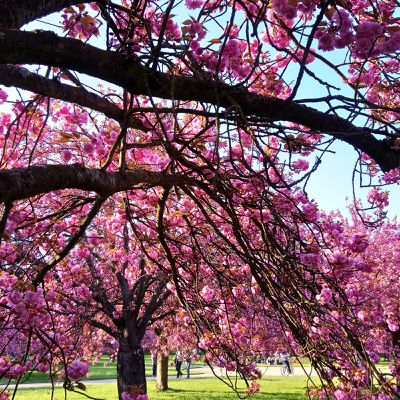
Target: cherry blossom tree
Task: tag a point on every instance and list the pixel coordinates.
(188, 126)
(101, 299)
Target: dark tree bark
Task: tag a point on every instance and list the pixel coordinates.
(162, 371)
(16, 13)
(21, 183)
(396, 355)
(131, 375)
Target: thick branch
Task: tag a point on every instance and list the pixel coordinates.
(16, 13)
(104, 327)
(21, 183)
(11, 75)
(158, 298)
(47, 48)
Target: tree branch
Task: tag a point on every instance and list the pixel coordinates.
(73, 241)
(16, 13)
(21, 183)
(104, 327)
(11, 75)
(48, 49)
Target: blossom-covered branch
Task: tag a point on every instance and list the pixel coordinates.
(48, 49)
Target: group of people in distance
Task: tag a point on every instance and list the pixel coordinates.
(282, 358)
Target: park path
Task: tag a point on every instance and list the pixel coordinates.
(200, 372)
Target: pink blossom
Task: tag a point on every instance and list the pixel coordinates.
(392, 44)
(392, 325)
(42, 367)
(193, 4)
(325, 40)
(15, 297)
(301, 164)
(285, 8)
(66, 156)
(342, 395)
(83, 291)
(88, 148)
(366, 34)
(392, 176)
(3, 96)
(363, 316)
(5, 395)
(80, 25)
(208, 293)
(369, 30)
(378, 198)
(77, 369)
(357, 243)
(232, 48)
(325, 296)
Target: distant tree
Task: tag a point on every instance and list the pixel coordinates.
(101, 299)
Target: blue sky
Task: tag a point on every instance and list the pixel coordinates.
(331, 184)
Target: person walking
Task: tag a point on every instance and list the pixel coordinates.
(286, 361)
(188, 362)
(154, 363)
(178, 363)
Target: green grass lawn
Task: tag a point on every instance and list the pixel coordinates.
(272, 388)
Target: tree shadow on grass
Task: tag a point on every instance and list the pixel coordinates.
(283, 396)
(174, 390)
(193, 394)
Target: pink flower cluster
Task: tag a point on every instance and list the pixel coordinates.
(171, 32)
(7, 281)
(338, 35)
(324, 297)
(13, 370)
(80, 24)
(367, 39)
(208, 293)
(28, 307)
(285, 8)
(367, 34)
(3, 96)
(341, 394)
(193, 4)
(77, 369)
(378, 198)
(300, 165)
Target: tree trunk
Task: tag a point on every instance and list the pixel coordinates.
(396, 355)
(162, 371)
(131, 376)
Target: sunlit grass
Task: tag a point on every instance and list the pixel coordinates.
(272, 388)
